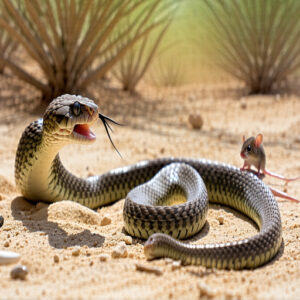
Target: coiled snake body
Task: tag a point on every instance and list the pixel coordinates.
(40, 176)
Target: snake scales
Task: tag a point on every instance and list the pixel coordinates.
(40, 176)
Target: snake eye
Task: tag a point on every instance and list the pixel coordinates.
(249, 148)
(76, 108)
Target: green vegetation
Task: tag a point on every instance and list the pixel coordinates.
(73, 41)
(76, 42)
(256, 41)
(136, 62)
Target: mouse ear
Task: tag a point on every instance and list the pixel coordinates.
(258, 140)
(244, 139)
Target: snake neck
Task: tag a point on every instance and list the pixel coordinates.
(36, 155)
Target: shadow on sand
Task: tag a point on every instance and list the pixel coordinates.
(58, 238)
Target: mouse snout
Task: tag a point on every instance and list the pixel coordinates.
(243, 155)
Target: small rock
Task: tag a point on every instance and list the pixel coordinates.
(1, 221)
(221, 220)
(56, 258)
(195, 121)
(6, 244)
(76, 251)
(104, 257)
(205, 291)
(176, 265)
(148, 269)
(106, 220)
(8, 257)
(168, 260)
(243, 103)
(120, 251)
(127, 239)
(19, 272)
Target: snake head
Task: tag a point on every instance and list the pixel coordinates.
(155, 245)
(68, 118)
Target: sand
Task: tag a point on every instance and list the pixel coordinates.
(63, 244)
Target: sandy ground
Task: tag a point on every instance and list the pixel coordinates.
(61, 244)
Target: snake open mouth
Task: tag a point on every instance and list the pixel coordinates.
(83, 130)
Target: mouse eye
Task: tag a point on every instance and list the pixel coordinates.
(249, 148)
(76, 108)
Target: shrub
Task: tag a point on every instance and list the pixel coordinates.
(7, 45)
(168, 68)
(72, 41)
(130, 70)
(256, 41)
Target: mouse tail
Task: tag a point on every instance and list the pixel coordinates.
(280, 176)
(283, 195)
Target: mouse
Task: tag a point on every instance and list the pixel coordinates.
(253, 154)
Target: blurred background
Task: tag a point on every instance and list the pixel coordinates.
(245, 47)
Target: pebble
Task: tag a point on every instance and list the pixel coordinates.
(176, 265)
(148, 269)
(221, 220)
(168, 260)
(205, 291)
(243, 104)
(195, 121)
(56, 258)
(127, 239)
(1, 221)
(120, 251)
(8, 257)
(19, 272)
(104, 257)
(6, 244)
(106, 220)
(76, 251)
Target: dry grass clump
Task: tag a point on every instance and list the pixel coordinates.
(256, 41)
(167, 71)
(7, 45)
(136, 62)
(74, 42)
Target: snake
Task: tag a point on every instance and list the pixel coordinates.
(166, 199)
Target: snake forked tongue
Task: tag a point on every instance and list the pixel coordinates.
(107, 127)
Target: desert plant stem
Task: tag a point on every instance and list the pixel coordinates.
(32, 45)
(102, 69)
(25, 76)
(152, 53)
